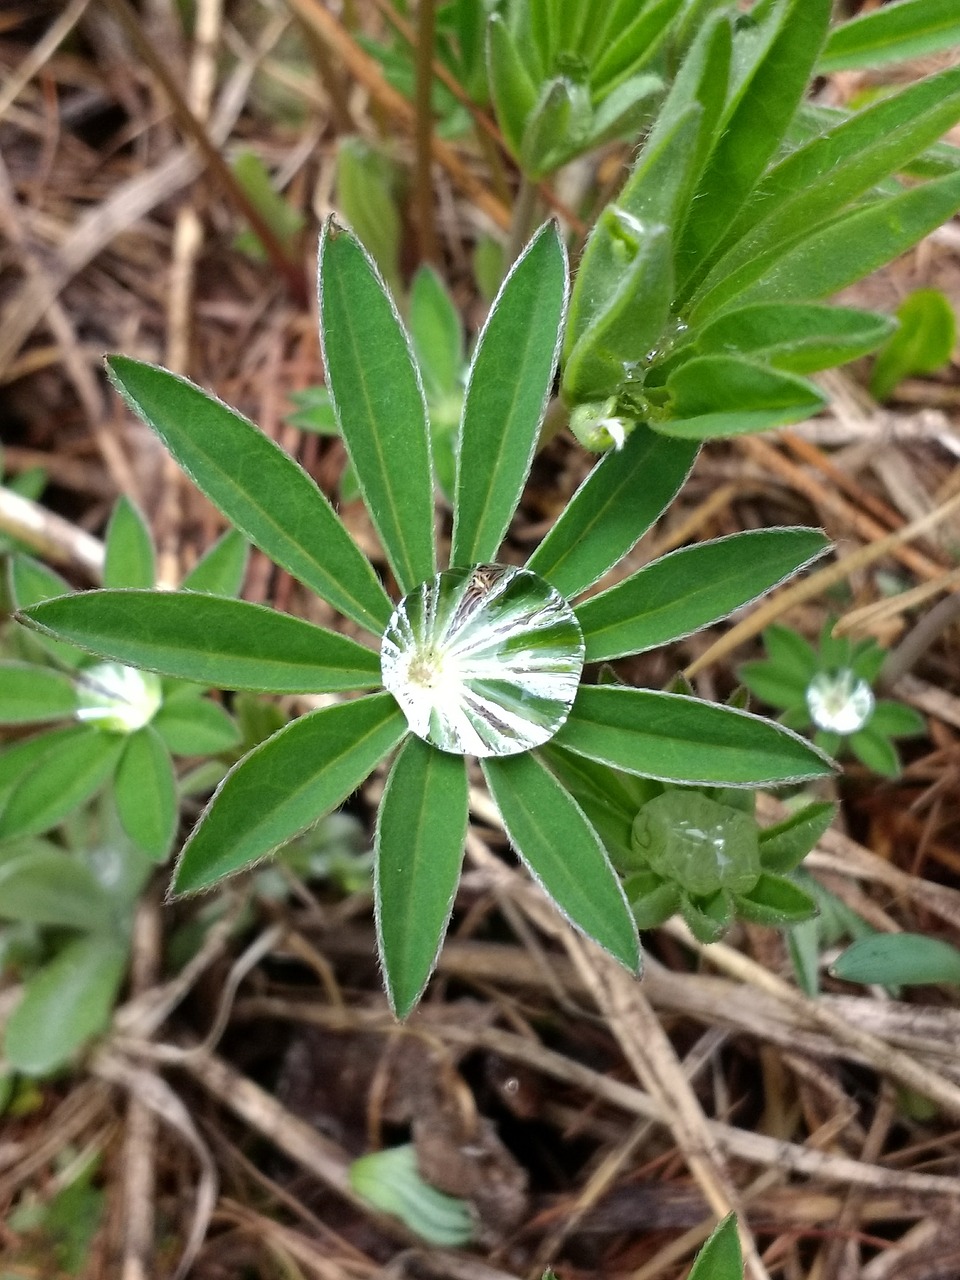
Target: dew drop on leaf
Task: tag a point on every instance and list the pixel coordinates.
(839, 701)
(116, 698)
(483, 661)
(699, 844)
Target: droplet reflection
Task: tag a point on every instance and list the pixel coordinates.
(839, 701)
(483, 661)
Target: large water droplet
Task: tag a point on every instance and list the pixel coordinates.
(701, 845)
(483, 661)
(839, 701)
(116, 698)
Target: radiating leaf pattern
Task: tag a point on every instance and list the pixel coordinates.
(483, 660)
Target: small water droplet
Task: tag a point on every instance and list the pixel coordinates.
(699, 844)
(116, 698)
(483, 661)
(839, 701)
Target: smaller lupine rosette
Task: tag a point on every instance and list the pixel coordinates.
(483, 661)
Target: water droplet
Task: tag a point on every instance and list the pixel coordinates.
(839, 701)
(699, 844)
(116, 698)
(483, 661)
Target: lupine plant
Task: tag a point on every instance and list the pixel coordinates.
(105, 724)
(482, 658)
(829, 690)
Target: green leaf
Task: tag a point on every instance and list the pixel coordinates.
(754, 127)
(708, 918)
(791, 653)
(784, 846)
(652, 900)
(842, 251)
(816, 181)
(923, 343)
(65, 1004)
(512, 88)
(421, 830)
(130, 559)
(659, 188)
(875, 751)
(31, 582)
(775, 901)
(50, 887)
(720, 1258)
(894, 720)
(771, 684)
(609, 799)
(378, 396)
(145, 792)
(195, 726)
(557, 128)
(898, 959)
(222, 569)
(908, 29)
(680, 739)
(76, 765)
(33, 695)
(632, 323)
(562, 852)
(390, 1180)
(797, 337)
(437, 333)
(367, 183)
(634, 43)
(506, 397)
(285, 784)
(712, 396)
(229, 644)
(258, 487)
(281, 217)
(18, 759)
(692, 588)
(614, 507)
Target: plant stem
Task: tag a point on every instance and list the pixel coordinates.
(521, 224)
(423, 134)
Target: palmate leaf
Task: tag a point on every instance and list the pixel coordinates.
(378, 397)
(614, 507)
(692, 588)
(675, 738)
(258, 487)
(562, 852)
(421, 830)
(285, 784)
(502, 412)
(227, 644)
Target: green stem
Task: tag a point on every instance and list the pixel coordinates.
(521, 224)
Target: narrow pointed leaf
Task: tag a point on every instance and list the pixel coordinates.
(285, 784)
(692, 588)
(506, 397)
(228, 644)
(562, 852)
(129, 555)
(195, 726)
(437, 333)
(421, 830)
(20, 758)
(65, 776)
(845, 250)
(32, 695)
(899, 959)
(145, 792)
(512, 87)
(258, 487)
(51, 887)
(676, 738)
(797, 337)
(755, 128)
(815, 182)
(378, 396)
(65, 1004)
(614, 507)
(635, 43)
(907, 29)
(721, 1257)
(222, 569)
